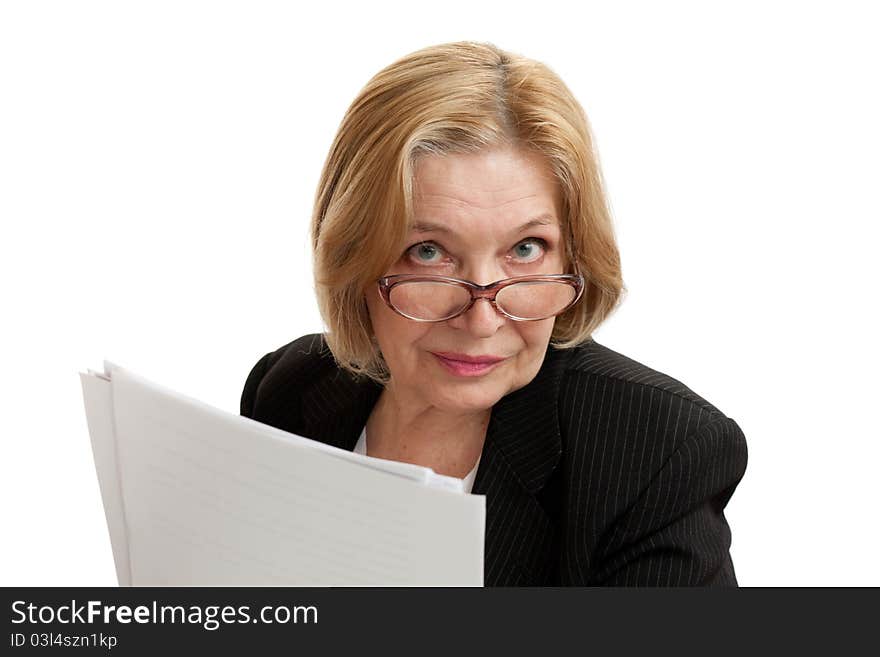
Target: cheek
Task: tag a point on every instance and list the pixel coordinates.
(398, 338)
(536, 335)
(385, 322)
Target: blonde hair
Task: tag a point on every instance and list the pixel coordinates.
(450, 98)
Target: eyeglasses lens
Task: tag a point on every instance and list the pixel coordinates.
(431, 300)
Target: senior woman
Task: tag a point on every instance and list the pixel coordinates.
(464, 254)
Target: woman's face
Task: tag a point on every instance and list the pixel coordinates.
(469, 212)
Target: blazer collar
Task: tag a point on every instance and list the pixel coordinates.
(522, 440)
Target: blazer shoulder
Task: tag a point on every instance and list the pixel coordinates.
(630, 404)
(649, 466)
(281, 371)
(592, 359)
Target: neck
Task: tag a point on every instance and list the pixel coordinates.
(413, 431)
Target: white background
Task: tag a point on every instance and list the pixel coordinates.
(158, 163)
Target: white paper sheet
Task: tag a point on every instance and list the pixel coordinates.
(98, 397)
(206, 497)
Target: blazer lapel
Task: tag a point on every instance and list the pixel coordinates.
(524, 427)
(522, 449)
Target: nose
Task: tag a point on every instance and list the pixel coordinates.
(481, 319)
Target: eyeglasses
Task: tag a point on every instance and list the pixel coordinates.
(423, 298)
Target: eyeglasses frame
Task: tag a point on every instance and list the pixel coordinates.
(488, 292)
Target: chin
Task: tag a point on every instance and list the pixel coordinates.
(466, 400)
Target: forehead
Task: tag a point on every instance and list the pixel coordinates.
(499, 189)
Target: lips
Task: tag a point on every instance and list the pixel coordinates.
(475, 366)
(471, 360)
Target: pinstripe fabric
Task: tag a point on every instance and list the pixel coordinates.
(600, 471)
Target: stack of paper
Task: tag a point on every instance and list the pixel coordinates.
(197, 496)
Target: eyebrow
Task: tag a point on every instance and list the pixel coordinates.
(428, 227)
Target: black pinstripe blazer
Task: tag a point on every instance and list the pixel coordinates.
(600, 471)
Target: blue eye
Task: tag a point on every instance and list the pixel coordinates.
(530, 242)
(427, 249)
